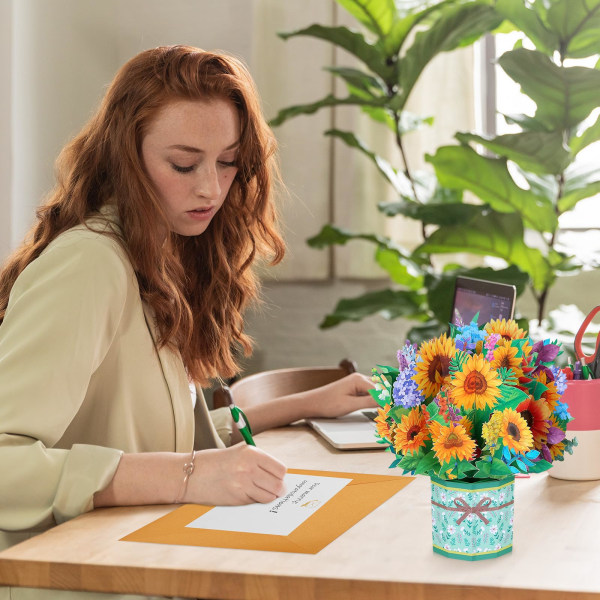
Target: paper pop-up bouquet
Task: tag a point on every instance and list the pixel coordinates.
(480, 403)
(471, 410)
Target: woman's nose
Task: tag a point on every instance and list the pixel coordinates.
(207, 183)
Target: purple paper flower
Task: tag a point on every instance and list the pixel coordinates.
(546, 350)
(560, 379)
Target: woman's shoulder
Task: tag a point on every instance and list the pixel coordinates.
(97, 241)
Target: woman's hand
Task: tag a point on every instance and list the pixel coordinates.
(335, 399)
(340, 397)
(241, 474)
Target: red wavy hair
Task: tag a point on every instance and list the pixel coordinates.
(198, 286)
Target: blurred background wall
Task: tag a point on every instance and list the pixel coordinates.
(57, 56)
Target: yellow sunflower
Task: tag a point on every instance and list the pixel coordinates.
(509, 330)
(506, 356)
(384, 430)
(536, 414)
(453, 442)
(411, 433)
(433, 362)
(476, 385)
(551, 395)
(467, 424)
(515, 433)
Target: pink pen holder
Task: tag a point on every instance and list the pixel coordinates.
(583, 399)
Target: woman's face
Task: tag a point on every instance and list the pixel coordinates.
(190, 152)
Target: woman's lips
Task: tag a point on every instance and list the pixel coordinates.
(200, 214)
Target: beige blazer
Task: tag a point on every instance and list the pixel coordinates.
(81, 381)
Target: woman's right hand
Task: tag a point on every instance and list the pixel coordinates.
(240, 474)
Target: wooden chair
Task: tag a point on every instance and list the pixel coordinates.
(267, 385)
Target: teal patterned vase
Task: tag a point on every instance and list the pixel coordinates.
(472, 520)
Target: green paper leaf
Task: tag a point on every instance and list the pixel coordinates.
(540, 466)
(427, 464)
(397, 412)
(488, 178)
(539, 152)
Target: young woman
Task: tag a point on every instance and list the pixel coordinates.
(133, 283)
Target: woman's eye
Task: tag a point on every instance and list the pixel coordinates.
(226, 163)
(180, 169)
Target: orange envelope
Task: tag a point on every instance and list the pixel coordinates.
(356, 500)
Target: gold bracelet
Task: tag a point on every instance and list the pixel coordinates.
(188, 469)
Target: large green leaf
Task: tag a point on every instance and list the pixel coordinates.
(461, 167)
(455, 26)
(586, 137)
(433, 214)
(359, 83)
(404, 25)
(581, 181)
(399, 181)
(564, 96)
(376, 15)
(499, 235)
(352, 41)
(400, 269)
(539, 152)
(390, 304)
(528, 21)
(577, 22)
(308, 109)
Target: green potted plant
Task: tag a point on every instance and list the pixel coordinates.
(523, 181)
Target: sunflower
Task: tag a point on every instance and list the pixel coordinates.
(433, 362)
(509, 330)
(515, 433)
(536, 414)
(467, 424)
(384, 430)
(411, 433)
(453, 442)
(551, 395)
(506, 356)
(477, 384)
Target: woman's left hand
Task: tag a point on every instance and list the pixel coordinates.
(341, 397)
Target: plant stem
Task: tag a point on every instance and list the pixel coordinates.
(407, 172)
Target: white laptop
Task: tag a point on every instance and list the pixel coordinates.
(353, 431)
(491, 300)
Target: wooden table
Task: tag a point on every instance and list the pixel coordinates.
(387, 555)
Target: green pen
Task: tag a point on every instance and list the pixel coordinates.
(241, 421)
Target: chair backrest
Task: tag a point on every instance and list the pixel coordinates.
(281, 382)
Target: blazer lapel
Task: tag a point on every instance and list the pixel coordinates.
(177, 383)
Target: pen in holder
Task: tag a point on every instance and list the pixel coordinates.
(583, 398)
